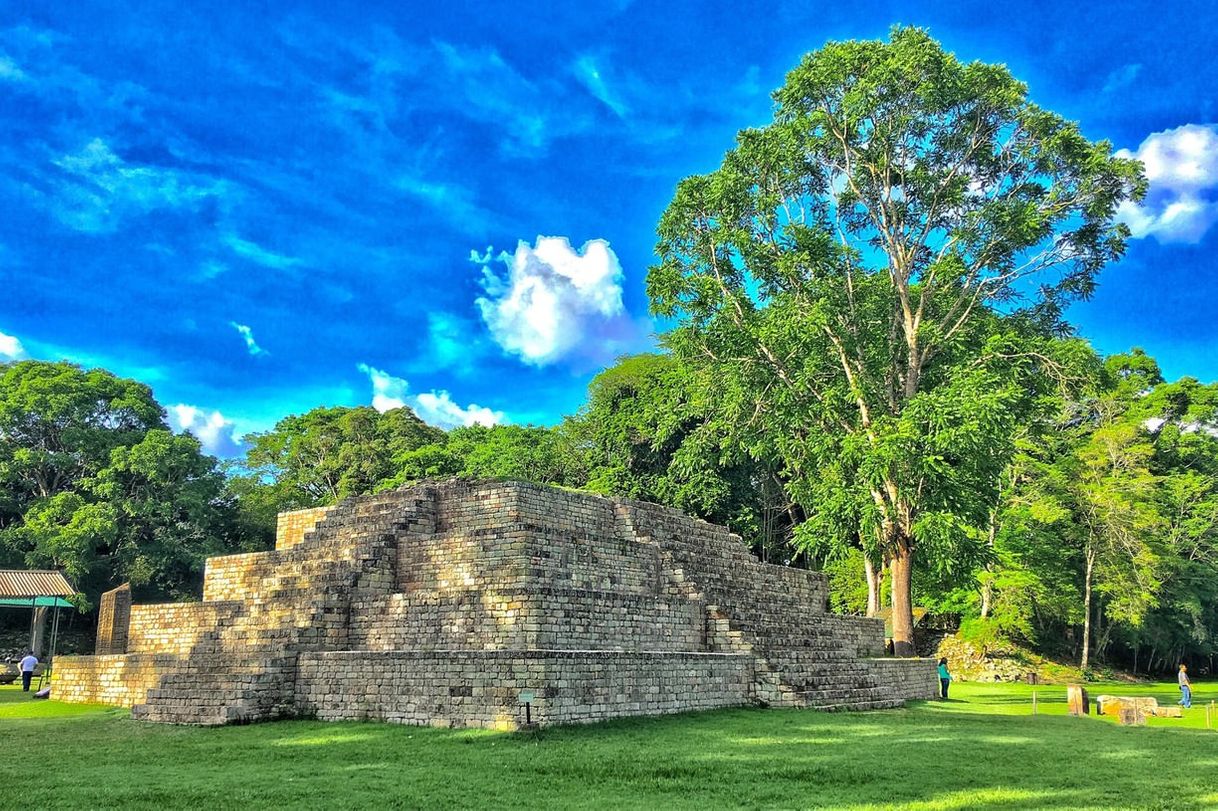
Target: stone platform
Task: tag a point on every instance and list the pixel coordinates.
(453, 603)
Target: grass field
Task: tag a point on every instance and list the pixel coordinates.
(982, 750)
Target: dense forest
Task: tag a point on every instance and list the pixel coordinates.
(868, 372)
(1101, 543)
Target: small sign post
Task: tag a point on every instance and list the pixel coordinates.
(526, 698)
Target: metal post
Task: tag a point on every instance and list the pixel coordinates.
(50, 662)
(1034, 702)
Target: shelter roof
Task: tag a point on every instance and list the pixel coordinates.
(29, 583)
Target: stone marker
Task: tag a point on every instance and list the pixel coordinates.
(1076, 697)
(1130, 715)
(1127, 709)
(1168, 712)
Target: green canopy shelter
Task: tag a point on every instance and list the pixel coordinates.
(36, 589)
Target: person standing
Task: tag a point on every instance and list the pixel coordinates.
(28, 663)
(945, 678)
(1186, 688)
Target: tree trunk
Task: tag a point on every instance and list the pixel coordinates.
(987, 597)
(875, 583)
(902, 600)
(987, 586)
(38, 630)
(1085, 660)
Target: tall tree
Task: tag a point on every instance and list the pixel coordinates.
(327, 454)
(644, 433)
(861, 271)
(95, 484)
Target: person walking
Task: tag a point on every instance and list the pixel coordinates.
(27, 665)
(1186, 688)
(945, 678)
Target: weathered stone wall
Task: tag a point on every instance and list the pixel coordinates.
(537, 618)
(119, 680)
(290, 527)
(509, 535)
(482, 689)
(113, 618)
(177, 627)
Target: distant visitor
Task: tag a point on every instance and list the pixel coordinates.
(945, 678)
(1186, 688)
(30, 661)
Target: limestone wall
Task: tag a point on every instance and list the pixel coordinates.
(177, 627)
(118, 680)
(290, 527)
(508, 535)
(237, 577)
(537, 618)
(482, 689)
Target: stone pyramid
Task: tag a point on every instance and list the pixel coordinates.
(489, 603)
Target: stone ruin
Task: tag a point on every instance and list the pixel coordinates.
(459, 603)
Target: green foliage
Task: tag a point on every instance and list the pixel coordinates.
(97, 486)
(645, 433)
(852, 280)
(328, 454)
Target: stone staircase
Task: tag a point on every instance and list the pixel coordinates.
(245, 669)
(805, 657)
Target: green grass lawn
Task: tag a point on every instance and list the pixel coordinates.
(983, 749)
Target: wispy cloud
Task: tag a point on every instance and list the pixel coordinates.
(10, 71)
(215, 432)
(589, 75)
(257, 254)
(1122, 77)
(434, 407)
(455, 203)
(557, 303)
(247, 335)
(10, 347)
(95, 190)
(454, 343)
(1182, 168)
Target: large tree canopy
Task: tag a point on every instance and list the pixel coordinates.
(872, 276)
(92, 482)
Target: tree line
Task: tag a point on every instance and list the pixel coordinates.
(868, 370)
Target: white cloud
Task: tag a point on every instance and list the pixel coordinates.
(10, 347)
(215, 433)
(96, 189)
(558, 303)
(1182, 168)
(388, 392)
(438, 408)
(258, 254)
(435, 407)
(248, 334)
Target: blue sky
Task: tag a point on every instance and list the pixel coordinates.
(453, 205)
